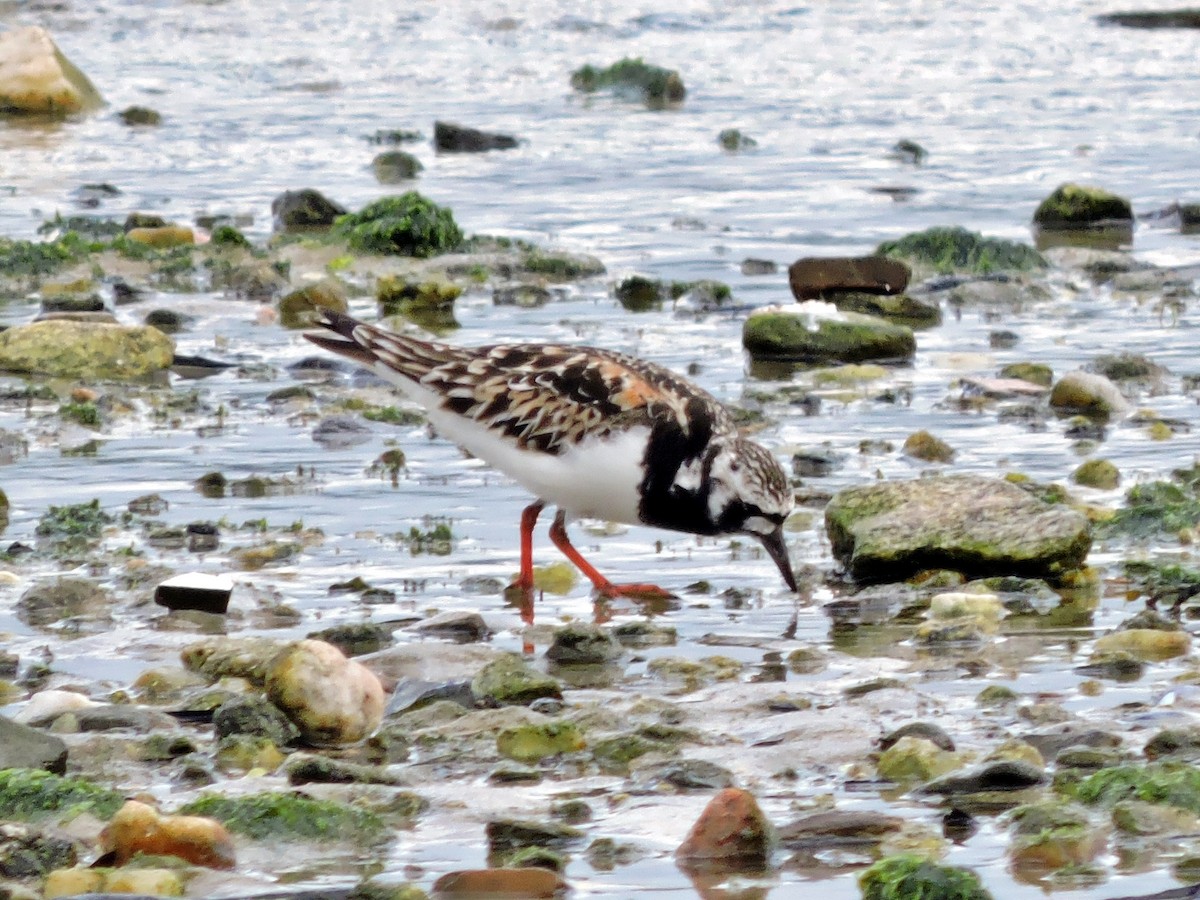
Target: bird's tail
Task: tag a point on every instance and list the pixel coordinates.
(385, 352)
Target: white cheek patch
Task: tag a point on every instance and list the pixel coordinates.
(759, 525)
(690, 477)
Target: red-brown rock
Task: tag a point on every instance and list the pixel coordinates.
(500, 883)
(139, 828)
(731, 829)
(816, 276)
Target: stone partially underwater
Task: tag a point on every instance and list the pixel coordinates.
(970, 524)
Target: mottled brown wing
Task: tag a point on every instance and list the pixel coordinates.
(545, 397)
(548, 397)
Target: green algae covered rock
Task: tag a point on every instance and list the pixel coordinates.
(1079, 206)
(407, 225)
(959, 250)
(535, 741)
(909, 877)
(298, 308)
(819, 332)
(1052, 835)
(1173, 784)
(62, 348)
(984, 526)
(508, 680)
(33, 794)
(289, 815)
(653, 85)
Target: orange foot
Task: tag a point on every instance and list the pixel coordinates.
(634, 591)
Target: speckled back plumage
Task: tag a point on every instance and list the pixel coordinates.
(544, 396)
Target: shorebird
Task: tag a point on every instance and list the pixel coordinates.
(597, 433)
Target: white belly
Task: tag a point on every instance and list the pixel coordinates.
(596, 479)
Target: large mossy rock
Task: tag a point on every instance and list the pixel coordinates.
(35, 77)
(407, 225)
(819, 332)
(1078, 206)
(980, 526)
(63, 348)
(959, 250)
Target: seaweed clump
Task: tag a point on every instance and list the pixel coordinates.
(33, 793)
(287, 815)
(407, 225)
(959, 250)
(655, 86)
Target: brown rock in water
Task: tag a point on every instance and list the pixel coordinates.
(139, 828)
(731, 829)
(523, 883)
(814, 276)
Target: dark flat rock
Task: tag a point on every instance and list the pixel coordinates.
(813, 277)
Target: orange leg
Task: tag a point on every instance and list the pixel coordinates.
(521, 590)
(604, 587)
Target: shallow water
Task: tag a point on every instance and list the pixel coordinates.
(1010, 100)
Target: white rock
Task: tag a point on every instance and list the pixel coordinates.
(47, 706)
(331, 699)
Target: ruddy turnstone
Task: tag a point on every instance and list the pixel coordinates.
(597, 433)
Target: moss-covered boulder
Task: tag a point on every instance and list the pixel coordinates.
(902, 309)
(533, 742)
(407, 225)
(1053, 835)
(1097, 473)
(62, 348)
(971, 524)
(394, 166)
(304, 210)
(653, 85)
(1088, 393)
(428, 302)
(959, 250)
(508, 680)
(298, 308)
(35, 76)
(819, 332)
(1079, 206)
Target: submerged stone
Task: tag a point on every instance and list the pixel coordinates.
(975, 525)
(508, 680)
(1053, 835)
(533, 742)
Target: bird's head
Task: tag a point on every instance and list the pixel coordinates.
(749, 494)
